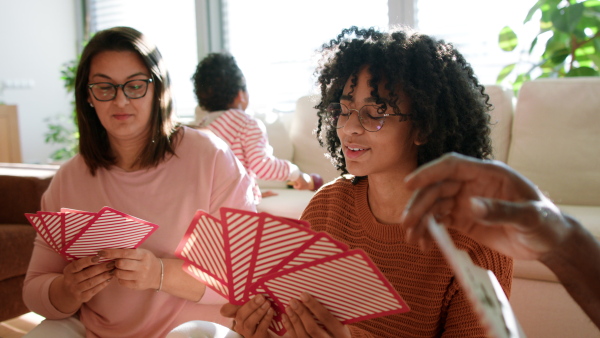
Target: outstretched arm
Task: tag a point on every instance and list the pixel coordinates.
(497, 206)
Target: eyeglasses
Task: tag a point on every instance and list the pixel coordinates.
(370, 116)
(106, 91)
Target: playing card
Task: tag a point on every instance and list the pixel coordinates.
(240, 235)
(245, 253)
(74, 222)
(480, 285)
(203, 249)
(348, 284)
(279, 238)
(52, 222)
(319, 246)
(39, 226)
(110, 229)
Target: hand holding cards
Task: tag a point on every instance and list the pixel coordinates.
(244, 254)
(76, 234)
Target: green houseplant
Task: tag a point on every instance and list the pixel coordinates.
(62, 129)
(571, 28)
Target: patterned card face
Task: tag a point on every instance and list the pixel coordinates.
(38, 225)
(480, 285)
(76, 234)
(244, 254)
(110, 229)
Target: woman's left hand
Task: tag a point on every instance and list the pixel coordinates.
(299, 319)
(136, 269)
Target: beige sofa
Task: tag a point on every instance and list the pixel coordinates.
(551, 134)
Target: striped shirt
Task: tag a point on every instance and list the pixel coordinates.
(247, 137)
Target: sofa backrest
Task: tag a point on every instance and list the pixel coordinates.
(501, 120)
(556, 138)
(21, 187)
(308, 154)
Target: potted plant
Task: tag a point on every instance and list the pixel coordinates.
(62, 129)
(572, 48)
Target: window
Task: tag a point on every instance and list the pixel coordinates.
(170, 25)
(473, 27)
(274, 42)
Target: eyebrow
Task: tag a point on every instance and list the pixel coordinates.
(129, 77)
(367, 100)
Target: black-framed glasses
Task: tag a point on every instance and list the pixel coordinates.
(371, 116)
(106, 91)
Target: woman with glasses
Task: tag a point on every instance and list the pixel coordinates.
(390, 102)
(135, 159)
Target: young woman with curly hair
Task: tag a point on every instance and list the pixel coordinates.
(390, 102)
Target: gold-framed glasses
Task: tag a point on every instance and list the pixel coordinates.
(371, 116)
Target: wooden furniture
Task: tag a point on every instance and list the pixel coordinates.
(10, 144)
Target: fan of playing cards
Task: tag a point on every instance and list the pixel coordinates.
(76, 234)
(245, 253)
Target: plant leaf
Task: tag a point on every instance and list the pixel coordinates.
(507, 39)
(567, 18)
(505, 71)
(582, 71)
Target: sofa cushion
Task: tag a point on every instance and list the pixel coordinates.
(279, 139)
(501, 119)
(534, 270)
(288, 203)
(555, 138)
(308, 154)
(17, 246)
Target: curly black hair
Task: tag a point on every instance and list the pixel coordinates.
(217, 81)
(450, 108)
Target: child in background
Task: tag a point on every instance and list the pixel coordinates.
(220, 89)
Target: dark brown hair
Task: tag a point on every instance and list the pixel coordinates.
(94, 146)
(217, 81)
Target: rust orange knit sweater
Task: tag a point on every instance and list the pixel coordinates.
(439, 307)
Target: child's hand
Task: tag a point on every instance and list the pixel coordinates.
(304, 182)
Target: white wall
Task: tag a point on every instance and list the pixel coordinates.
(36, 38)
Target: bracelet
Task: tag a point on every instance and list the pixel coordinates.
(162, 274)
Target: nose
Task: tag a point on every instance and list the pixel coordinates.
(120, 98)
(353, 125)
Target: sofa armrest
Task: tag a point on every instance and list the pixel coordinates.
(22, 187)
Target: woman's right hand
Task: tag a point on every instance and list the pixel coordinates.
(81, 281)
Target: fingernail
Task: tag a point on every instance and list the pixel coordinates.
(305, 296)
(294, 304)
(95, 259)
(259, 299)
(290, 311)
(102, 253)
(478, 207)
(110, 265)
(265, 305)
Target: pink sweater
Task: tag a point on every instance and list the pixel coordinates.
(204, 175)
(248, 139)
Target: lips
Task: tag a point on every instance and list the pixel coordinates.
(352, 151)
(122, 116)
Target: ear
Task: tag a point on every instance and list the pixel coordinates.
(419, 139)
(240, 101)
(242, 96)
